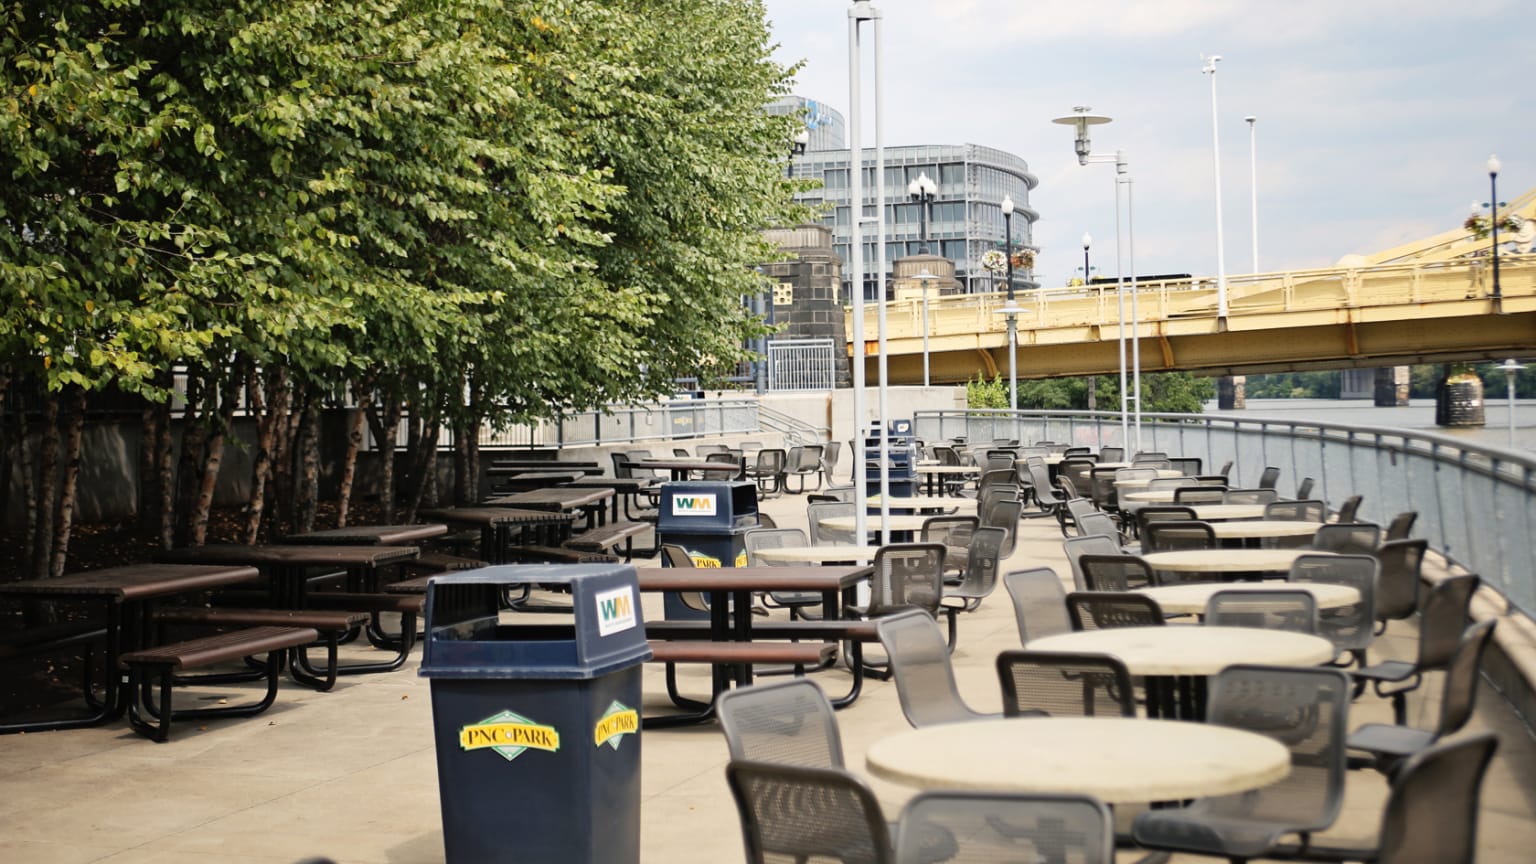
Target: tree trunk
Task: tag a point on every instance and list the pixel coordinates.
(423, 462)
(47, 487)
(282, 457)
(149, 438)
(194, 433)
(69, 483)
(384, 425)
(165, 475)
(356, 417)
(7, 462)
(223, 419)
(309, 469)
(273, 410)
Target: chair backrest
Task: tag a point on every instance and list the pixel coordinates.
(798, 813)
(997, 826)
(1088, 544)
(1444, 619)
(1177, 534)
(1068, 488)
(1348, 538)
(1149, 454)
(1102, 487)
(637, 455)
(1307, 510)
(1162, 513)
(1076, 470)
(1134, 474)
(925, 681)
(1117, 572)
(999, 460)
(1040, 480)
(1459, 694)
(1431, 814)
(758, 539)
(1065, 685)
(1200, 495)
(1005, 515)
(766, 521)
(946, 454)
(1250, 496)
(1349, 509)
(840, 493)
(1099, 523)
(1189, 466)
(621, 468)
(1103, 610)
(1226, 469)
(789, 722)
(1166, 484)
(1397, 586)
(1305, 709)
(1079, 507)
(982, 562)
(1401, 525)
(990, 495)
(1349, 628)
(907, 575)
(819, 510)
(681, 453)
(995, 477)
(1039, 603)
(674, 555)
(705, 449)
(1111, 454)
(732, 460)
(955, 532)
(1277, 609)
(1159, 463)
(829, 453)
(1268, 477)
(1304, 488)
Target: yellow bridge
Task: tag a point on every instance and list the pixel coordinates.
(1428, 301)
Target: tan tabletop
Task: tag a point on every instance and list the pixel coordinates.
(1141, 483)
(1156, 496)
(947, 469)
(1227, 560)
(898, 522)
(818, 554)
(1264, 528)
(1190, 598)
(1228, 512)
(360, 535)
(925, 502)
(1117, 759)
(1192, 650)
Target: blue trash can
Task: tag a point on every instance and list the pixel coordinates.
(537, 724)
(709, 519)
(902, 448)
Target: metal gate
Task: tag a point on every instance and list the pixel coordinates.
(801, 364)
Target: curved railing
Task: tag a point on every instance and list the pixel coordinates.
(1476, 504)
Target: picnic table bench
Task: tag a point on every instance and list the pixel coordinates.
(331, 625)
(606, 538)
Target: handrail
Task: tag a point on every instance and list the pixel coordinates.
(794, 430)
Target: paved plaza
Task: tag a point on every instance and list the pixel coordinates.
(351, 774)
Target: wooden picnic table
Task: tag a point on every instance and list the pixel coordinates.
(625, 488)
(364, 535)
(287, 566)
(682, 469)
(588, 502)
(501, 528)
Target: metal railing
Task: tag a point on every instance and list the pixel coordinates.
(680, 418)
(1476, 504)
(802, 364)
(794, 430)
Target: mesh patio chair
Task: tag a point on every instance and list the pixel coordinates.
(1044, 493)
(1277, 609)
(1169, 536)
(980, 578)
(673, 555)
(920, 666)
(1442, 621)
(1268, 477)
(1102, 488)
(1092, 544)
(1163, 513)
(734, 466)
(1103, 610)
(1226, 469)
(1148, 454)
(1200, 495)
(1039, 603)
(767, 471)
(1304, 488)
(840, 493)
(1390, 743)
(1189, 466)
(682, 453)
(1100, 524)
(1076, 470)
(906, 576)
(1349, 628)
(1348, 538)
(786, 722)
(1305, 710)
(1111, 454)
(1401, 525)
(1067, 515)
(758, 539)
(1005, 515)
(1051, 684)
(1250, 496)
(1160, 463)
(819, 510)
(1398, 583)
(804, 461)
(797, 813)
(998, 827)
(1115, 572)
(830, 451)
(1349, 509)
(1307, 510)
(955, 533)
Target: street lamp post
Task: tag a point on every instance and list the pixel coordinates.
(1493, 221)
(1253, 182)
(1221, 260)
(922, 191)
(1013, 324)
(797, 147)
(1511, 369)
(923, 279)
(1093, 380)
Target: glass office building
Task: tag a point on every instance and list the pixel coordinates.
(965, 218)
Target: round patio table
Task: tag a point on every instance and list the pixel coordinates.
(1141, 483)
(1190, 598)
(1264, 529)
(1227, 560)
(1116, 759)
(924, 502)
(1228, 512)
(831, 553)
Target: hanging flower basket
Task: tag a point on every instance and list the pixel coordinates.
(994, 261)
(1480, 226)
(1024, 259)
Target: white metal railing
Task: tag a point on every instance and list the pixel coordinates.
(678, 418)
(802, 364)
(1476, 504)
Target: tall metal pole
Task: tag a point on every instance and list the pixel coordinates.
(859, 12)
(923, 279)
(1493, 220)
(1130, 244)
(884, 410)
(1125, 388)
(1013, 324)
(1511, 369)
(1221, 259)
(1253, 186)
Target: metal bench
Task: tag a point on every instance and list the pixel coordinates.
(331, 625)
(606, 538)
(163, 664)
(853, 632)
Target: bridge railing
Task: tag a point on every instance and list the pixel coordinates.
(1476, 505)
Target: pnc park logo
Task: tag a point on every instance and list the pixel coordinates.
(509, 734)
(619, 720)
(693, 505)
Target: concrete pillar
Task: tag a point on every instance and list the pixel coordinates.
(1232, 392)
(1458, 400)
(1391, 386)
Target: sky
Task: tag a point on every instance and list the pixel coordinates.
(1375, 119)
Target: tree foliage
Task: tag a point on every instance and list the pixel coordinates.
(1173, 392)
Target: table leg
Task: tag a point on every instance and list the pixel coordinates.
(114, 696)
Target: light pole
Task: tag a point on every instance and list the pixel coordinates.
(1221, 260)
(923, 279)
(922, 191)
(1087, 273)
(1093, 380)
(1253, 184)
(1013, 324)
(1493, 222)
(1080, 120)
(797, 147)
(1511, 369)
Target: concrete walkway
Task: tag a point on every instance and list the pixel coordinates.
(351, 774)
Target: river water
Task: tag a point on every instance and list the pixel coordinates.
(1418, 415)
